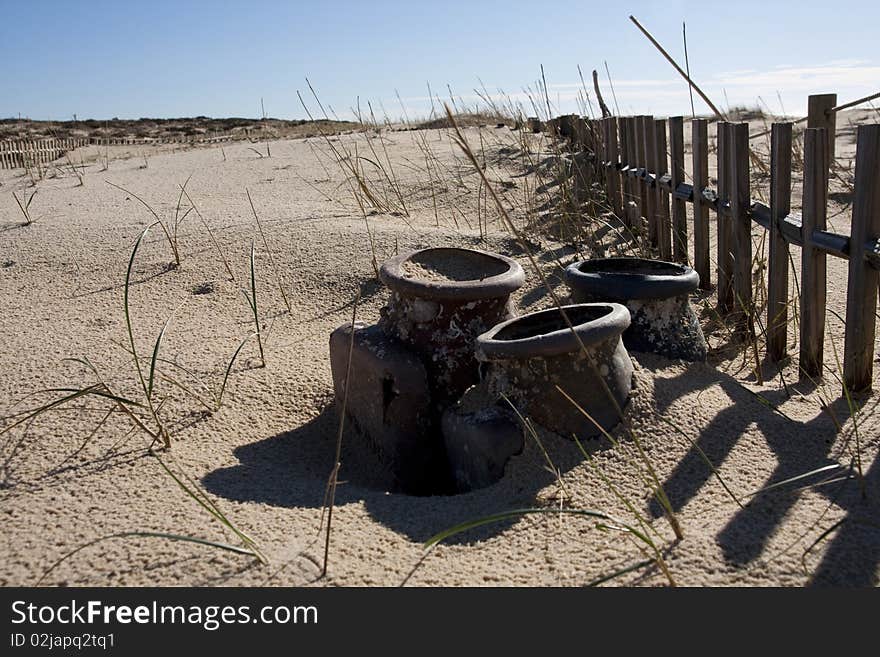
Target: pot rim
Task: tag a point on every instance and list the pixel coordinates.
(612, 323)
(672, 280)
(499, 285)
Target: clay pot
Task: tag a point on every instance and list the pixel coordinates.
(441, 300)
(657, 296)
(528, 357)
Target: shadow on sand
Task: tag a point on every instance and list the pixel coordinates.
(291, 470)
(799, 447)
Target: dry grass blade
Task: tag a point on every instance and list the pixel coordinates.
(24, 204)
(252, 302)
(229, 370)
(337, 462)
(269, 253)
(147, 388)
(144, 534)
(206, 503)
(168, 236)
(210, 234)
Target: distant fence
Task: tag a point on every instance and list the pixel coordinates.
(643, 172)
(24, 153)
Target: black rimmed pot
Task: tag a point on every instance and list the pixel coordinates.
(441, 300)
(657, 296)
(530, 358)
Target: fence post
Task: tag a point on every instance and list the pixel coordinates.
(611, 148)
(661, 196)
(679, 213)
(650, 138)
(813, 259)
(780, 206)
(725, 257)
(741, 224)
(819, 115)
(596, 128)
(624, 168)
(640, 163)
(862, 286)
(632, 207)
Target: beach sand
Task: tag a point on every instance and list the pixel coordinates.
(265, 457)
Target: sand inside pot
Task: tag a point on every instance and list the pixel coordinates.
(452, 266)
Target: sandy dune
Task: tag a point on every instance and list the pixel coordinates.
(265, 456)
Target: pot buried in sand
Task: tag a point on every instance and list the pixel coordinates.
(441, 300)
(528, 357)
(657, 296)
(419, 358)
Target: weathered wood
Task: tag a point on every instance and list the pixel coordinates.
(650, 164)
(780, 206)
(741, 226)
(632, 208)
(624, 163)
(614, 156)
(640, 165)
(679, 211)
(602, 106)
(820, 114)
(813, 260)
(725, 256)
(661, 168)
(862, 286)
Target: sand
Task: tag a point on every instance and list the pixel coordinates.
(265, 456)
(449, 270)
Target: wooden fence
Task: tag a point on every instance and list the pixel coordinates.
(25, 153)
(642, 165)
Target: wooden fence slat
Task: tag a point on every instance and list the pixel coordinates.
(661, 196)
(700, 145)
(813, 260)
(725, 256)
(613, 170)
(624, 163)
(650, 137)
(640, 163)
(598, 170)
(862, 285)
(676, 169)
(819, 115)
(741, 225)
(780, 206)
(632, 209)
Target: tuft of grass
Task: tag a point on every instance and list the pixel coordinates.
(252, 302)
(603, 522)
(170, 231)
(24, 204)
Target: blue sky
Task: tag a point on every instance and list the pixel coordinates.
(128, 59)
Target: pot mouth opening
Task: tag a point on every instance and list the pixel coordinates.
(632, 266)
(550, 321)
(452, 274)
(449, 265)
(545, 333)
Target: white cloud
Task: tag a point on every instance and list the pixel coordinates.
(850, 79)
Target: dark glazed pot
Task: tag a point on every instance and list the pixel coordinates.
(528, 357)
(441, 300)
(657, 296)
